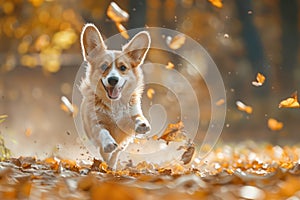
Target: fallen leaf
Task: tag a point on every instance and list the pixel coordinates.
(115, 13)
(220, 102)
(216, 3)
(122, 30)
(176, 42)
(150, 93)
(170, 66)
(242, 107)
(274, 125)
(2, 118)
(173, 133)
(260, 79)
(291, 102)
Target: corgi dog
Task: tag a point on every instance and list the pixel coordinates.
(112, 88)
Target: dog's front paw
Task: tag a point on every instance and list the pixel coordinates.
(142, 126)
(110, 147)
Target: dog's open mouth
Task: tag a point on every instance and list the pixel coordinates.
(113, 92)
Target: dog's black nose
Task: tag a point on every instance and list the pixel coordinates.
(113, 80)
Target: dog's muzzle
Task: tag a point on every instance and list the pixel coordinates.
(113, 92)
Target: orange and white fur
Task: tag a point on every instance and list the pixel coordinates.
(112, 88)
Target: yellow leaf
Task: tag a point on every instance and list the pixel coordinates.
(170, 66)
(2, 118)
(150, 93)
(291, 102)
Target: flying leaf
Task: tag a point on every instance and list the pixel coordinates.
(174, 132)
(216, 3)
(176, 42)
(67, 106)
(150, 93)
(260, 79)
(274, 125)
(291, 102)
(188, 155)
(122, 30)
(170, 66)
(28, 132)
(242, 107)
(220, 102)
(2, 118)
(115, 13)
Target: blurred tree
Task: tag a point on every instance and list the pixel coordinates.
(250, 36)
(290, 43)
(137, 13)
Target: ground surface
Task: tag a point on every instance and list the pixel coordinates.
(244, 171)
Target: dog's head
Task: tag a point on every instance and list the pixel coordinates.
(110, 70)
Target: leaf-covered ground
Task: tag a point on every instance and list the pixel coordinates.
(245, 171)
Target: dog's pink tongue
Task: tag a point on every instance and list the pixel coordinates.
(113, 92)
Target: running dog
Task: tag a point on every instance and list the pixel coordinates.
(112, 89)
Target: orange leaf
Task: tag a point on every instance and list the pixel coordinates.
(216, 3)
(242, 107)
(174, 133)
(291, 102)
(170, 66)
(274, 125)
(176, 42)
(115, 13)
(28, 132)
(260, 79)
(220, 102)
(122, 30)
(150, 93)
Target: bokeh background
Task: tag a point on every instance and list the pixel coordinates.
(40, 55)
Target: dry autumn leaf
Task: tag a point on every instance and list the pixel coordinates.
(274, 125)
(291, 102)
(220, 102)
(67, 106)
(176, 42)
(260, 79)
(115, 13)
(242, 107)
(122, 30)
(2, 118)
(150, 93)
(28, 132)
(188, 155)
(173, 133)
(170, 65)
(216, 3)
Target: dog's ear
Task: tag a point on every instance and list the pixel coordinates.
(138, 47)
(90, 39)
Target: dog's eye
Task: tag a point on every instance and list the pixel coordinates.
(104, 67)
(123, 68)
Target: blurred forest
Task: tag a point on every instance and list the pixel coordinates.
(40, 55)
